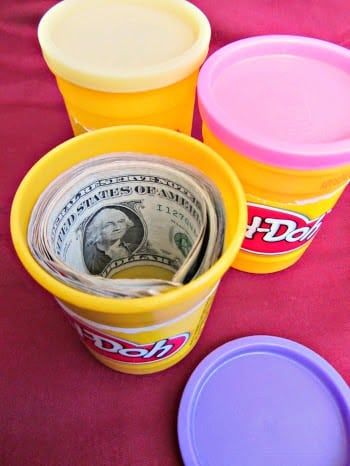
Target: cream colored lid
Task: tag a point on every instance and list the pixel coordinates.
(124, 45)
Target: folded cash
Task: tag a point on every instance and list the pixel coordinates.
(127, 225)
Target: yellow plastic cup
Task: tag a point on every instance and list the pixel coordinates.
(121, 62)
(143, 335)
(277, 108)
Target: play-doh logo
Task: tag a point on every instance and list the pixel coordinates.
(276, 231)
(127, 351)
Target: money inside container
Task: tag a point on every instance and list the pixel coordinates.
(136, 335)
(144, 220)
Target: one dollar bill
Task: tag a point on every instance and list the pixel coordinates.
(125, 215)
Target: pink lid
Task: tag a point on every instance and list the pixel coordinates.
(282, 100)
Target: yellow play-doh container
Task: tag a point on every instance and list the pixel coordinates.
(141, 335)
(122, 62)
(277, 109)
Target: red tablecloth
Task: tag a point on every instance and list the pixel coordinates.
(58, 407)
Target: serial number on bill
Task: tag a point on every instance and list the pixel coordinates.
(179, 215)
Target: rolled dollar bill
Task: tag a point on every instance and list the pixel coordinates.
(127, 225)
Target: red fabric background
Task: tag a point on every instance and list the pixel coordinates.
(58, 407)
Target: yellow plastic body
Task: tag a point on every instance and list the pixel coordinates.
(109, 327)
(168, 107)
(311, 193)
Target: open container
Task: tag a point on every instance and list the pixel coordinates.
(126, 61)
(277, 108)
(142, 335)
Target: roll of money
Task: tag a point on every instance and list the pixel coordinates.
(128, 225)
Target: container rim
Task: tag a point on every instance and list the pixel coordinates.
(237, 223)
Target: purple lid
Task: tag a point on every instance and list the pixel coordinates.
(265, 401)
